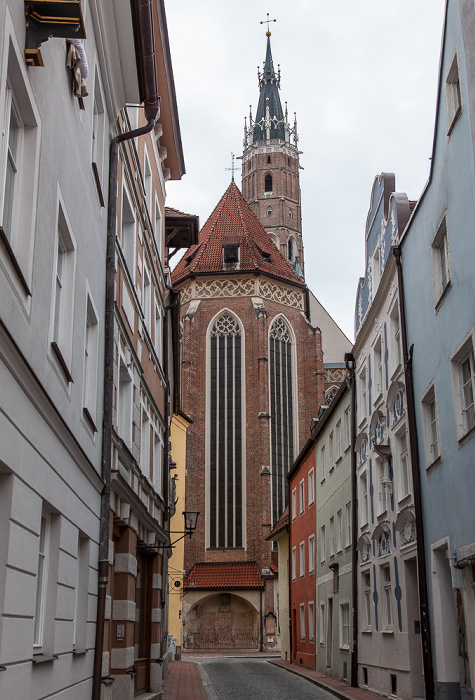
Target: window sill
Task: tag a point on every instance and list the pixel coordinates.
(339, 460)
(433, 464)
(388, 631)
(43, 658)
(62, 361)
(345, 649)
(79, 652)
(366, 631)
(466, 437)
(87, 414)
(14, 262)
(442, 296)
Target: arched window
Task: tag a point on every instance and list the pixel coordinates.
(281, 411)
(268, 183)
(225, 485)
(268, 160)
(290, 249)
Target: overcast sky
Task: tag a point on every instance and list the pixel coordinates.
(362, 78)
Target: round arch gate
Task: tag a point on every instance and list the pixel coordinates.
(222, 622)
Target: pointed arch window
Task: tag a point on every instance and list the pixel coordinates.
(281, 379)
(268, 183)
(225, 487)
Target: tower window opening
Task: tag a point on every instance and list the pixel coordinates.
(268, 183)
(268, 160)
(269, 212)
(290, 214)
(290, 249)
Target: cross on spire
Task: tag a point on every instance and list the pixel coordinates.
(232, 168)
(268, 21)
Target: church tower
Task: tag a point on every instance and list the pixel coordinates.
(270, 167)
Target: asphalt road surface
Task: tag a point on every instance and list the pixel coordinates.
(253, 679)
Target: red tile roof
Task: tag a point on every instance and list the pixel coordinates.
(280, 524)
(233, 221)
(210, 575)
(274, 562)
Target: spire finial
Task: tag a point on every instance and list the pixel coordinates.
(232, 168)
(268, 21)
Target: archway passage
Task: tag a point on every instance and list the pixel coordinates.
(222, 622)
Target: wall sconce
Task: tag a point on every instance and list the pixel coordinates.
(191, 519)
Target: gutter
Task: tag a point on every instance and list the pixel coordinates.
(416, 480)
(146, 58)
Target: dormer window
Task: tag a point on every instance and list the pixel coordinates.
(231, 254)
(268, 183)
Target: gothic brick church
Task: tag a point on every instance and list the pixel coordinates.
(253, 378)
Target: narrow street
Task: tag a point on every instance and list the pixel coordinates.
(248, 679)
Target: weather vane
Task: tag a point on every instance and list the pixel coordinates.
(268, 21)
(233, 167)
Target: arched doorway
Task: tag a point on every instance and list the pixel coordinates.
(223, 622)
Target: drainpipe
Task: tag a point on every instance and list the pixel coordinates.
(416, 479)
(351, 383)
(289, 529)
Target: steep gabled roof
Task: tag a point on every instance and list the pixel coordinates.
(234, 222)
(211, 575)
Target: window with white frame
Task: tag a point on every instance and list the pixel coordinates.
(128, 235)
(321, 624)
(124, 402)
(158, 446)
(364, 513)
(331, 451)
(338, 440)
(294, 504)
(145, 443)
(148, 182)
(376, 269)
(323, 546)
(302, 496)
(430, 422)
(388, 606)
(382, 471)
(147, 298)
(311, 487)
(158, 227)
(453, 93)
(302, 559)
(42, 581)
(294, 563)
(323, 463)
(311, 621)
(395, 354)
(344, 625)
(311, 554)
(404, 462)
(463, 381)
(339, 530)
(367, 599)
(302, 621)
(63, 296)
(18, 162)
(158, 331)
(378, 367)
(82, 586)
(348, 524)
(332, 536)
(362, 390)
(98, 136)
(347, 428)
(91, 350)
(440, 259)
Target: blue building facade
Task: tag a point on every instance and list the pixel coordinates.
(438, 264)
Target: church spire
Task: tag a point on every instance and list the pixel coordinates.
(269, 122)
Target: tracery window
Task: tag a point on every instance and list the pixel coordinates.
(282, 412)
(225, 487)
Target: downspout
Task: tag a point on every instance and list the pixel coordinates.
(290, 572)
(350, 369)
(146, 60)
(416, 479)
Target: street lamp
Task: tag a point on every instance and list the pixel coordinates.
(191, 518)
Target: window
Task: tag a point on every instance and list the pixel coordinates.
(148, 182)
(311, 554)
(302, 559)
(347, 428)
(269, 212)
(378, 367)
(290, 249)
(82, 586)
(382, 467)
(147, 299)
(128, 233)
(90, 362)
(404, 464)
(12, 165)
(145, 444)
(226, 460)
(294, 563)
(302, 621)
(158, 332)
(281, 401)
(268, 183)
(338, 440)
(294, 504)
(311, 621)
(42, 580)
(348, 524)
(323, 553)
(440, 260)
(376, 270)
(331, 452)
(463, 379)
(453, 94)
(395, 356)
(364, 499)
(332, 536)
(339, 530)
(321, 625)
(344, 625)
(158, 446)
(387, 597)
(311, 487)
(323, 464)
(63, 297)
(124, 402)
(98, 137)
(430, 420)
(367, 599)
(302, 496)
(361, 395)
(158, 227)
